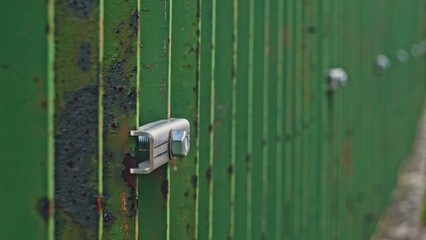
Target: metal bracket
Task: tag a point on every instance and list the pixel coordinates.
(164, 139)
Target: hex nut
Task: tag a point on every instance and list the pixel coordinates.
(179, 143)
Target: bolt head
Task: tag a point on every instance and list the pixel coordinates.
(383, 62)
(402, 55)
(417, 50)
(179, 143)
(337, 77)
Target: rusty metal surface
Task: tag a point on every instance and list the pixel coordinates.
(274, 154)
(77, 203)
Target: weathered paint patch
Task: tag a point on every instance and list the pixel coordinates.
(119, 109)
(84, 56)
(81, 8)
(119, 97)
(75, 145)
(119, 117)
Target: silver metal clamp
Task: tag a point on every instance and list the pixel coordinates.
(164, 140)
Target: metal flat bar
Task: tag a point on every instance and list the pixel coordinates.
(120, 73)
(258, 140)
(289, 51)
(153, 188)
(242, 131)
(184, 103)
(205, 123)
(272, 105)
(26, 102)
(222, 169)
(77, 203)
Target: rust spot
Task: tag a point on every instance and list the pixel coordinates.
(248, 162)
(134, 23)
(230, 170)
(194, 181)
(312, 29)
(209, 174)
(210, 127)
(130, 179)
(109, 219)
(118, 95)
(99, 204)
(287, 137)
(165, 188)
(44, 208)
(129, 162)
(147, 66)
(186, 194)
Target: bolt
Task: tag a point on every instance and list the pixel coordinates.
(402, 55)
(383, 62)
(179, 143)
(417, 50)
(337, 77)
(143, 143)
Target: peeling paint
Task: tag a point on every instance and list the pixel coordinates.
(84, 57)
(75, 145)
(81, 8)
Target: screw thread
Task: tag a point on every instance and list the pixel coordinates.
(143, 143)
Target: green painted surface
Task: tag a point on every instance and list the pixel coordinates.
(153, 189)
(26, 116)
(257, 48)
(242, 133)
(222, 169)
(205, 149)
(274, 154)
(184, 67)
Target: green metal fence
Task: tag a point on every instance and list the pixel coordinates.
(275, 154)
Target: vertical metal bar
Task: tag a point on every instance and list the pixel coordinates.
(205, 129)
(258, 131)
(77, 203)
(119, 104)
(297, 118)
(280, 106)
(184, 103)
(222, 125)
(242, 118)
(289, 50)
(153, 189)
(26, 105)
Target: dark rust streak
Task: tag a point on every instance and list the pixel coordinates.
(75, 147)
(194, 181)
(44, 208)
(130, 179)
(165, 188)
(209, 175)
(230, 170)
